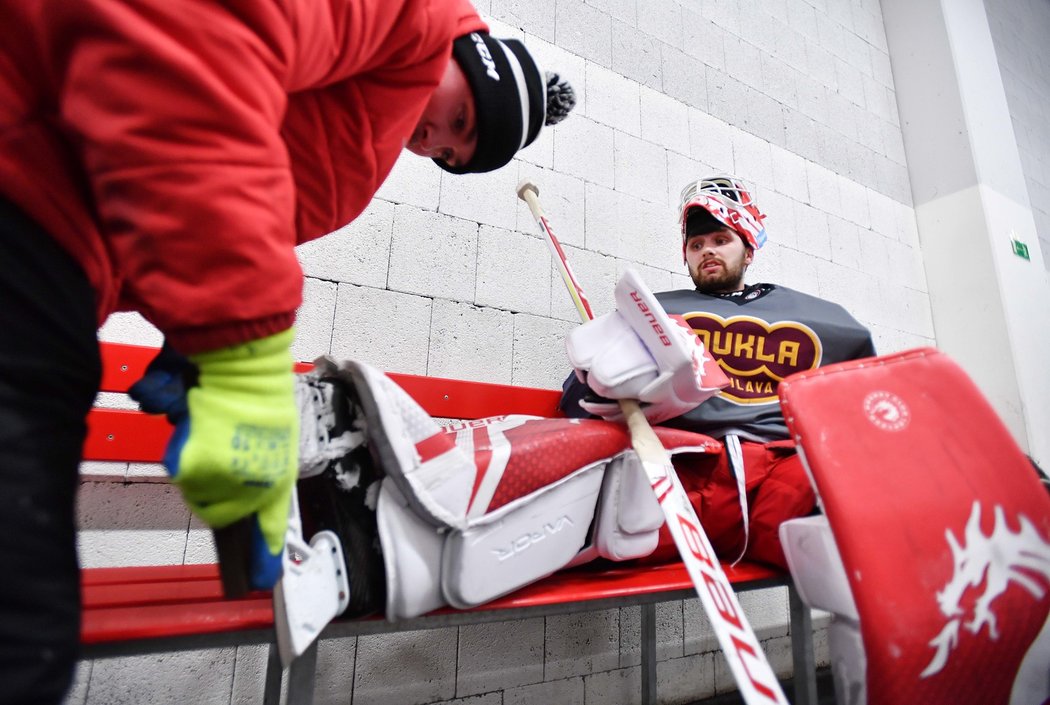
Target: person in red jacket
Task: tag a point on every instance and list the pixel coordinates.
(166, 158)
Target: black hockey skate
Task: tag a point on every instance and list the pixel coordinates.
(339, 485)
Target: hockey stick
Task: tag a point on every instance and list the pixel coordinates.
(747, 661)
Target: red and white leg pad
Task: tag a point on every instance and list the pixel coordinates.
(472, 511)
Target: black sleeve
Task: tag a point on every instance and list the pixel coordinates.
(572, 391)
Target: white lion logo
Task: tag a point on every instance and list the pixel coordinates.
(996, 559)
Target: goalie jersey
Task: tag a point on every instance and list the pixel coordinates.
(759, 336)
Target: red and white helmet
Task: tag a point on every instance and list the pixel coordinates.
(729, 202)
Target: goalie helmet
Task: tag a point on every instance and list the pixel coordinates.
(717, 201)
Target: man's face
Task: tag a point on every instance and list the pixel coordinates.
(717, 261)
(447, 130)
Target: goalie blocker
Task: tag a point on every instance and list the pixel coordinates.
(431, 515)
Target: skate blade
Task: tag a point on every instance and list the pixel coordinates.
(312, 591)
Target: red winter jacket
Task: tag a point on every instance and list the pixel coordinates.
(180, 149)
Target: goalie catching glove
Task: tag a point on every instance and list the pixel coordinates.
(640, 352)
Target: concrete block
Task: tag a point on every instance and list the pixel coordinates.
(584, 148)
(812, 98)
(850, 81)
(539, 351)
(249, 675)
(710, 141)
(596, 274)
(761, 30)
(893, 143)
(789, 174)
(727, 14)
(727, 98)
(387, 329)
(880, 67)
(584, 30)
(744, 59)
(653, 238)
(655, 279)
(918, 315)
(669, 633)
(663, 19)
(615, 687)
(407, 668)
(622, 10)
(876, 98)
(798, 270)
(603, 224)
(484, 198)
(883, 212)
(753, 160)
(131, 328)
(801, 135)
(836, 150)
(845, 242)
(680, 171)
(861, 162)
(436, 255)
(854, 202)
(507, 265)
(562, 199)
(613, 100)
(685, 78)
(781, 223)
(841, 13)
(314, 320)
(467, 342)
(664, 121)
(640, 168)
(867, 22)
(842, 115)
(824, 188)
(141, 523)
(830, 34)
(790, 47)
(703, 39)
(414, 181)
(836, 283)
(535, 16)
(636, 55)
(566, 691)
(698, 637)
(778, 81)
(518, 661)
(203, 677)
(858, 53)
(765, 118)
(681, 681)
(334, 684)
(582, 644)
(802, 18)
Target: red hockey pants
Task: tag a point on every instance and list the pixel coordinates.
(777, 490)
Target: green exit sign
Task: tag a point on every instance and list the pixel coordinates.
(1021, 249)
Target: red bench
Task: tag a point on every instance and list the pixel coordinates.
(138, 610)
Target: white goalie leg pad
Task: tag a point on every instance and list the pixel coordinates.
(411, 555)
(629, 516)
(521, 542)
(413, 450)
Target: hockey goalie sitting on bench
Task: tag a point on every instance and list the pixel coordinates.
(466, 510)
(430, 515)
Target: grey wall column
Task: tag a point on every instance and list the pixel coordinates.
(991, 307)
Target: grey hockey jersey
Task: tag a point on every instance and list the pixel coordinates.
(758, 336)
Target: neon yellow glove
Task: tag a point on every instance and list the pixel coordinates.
(235, 453)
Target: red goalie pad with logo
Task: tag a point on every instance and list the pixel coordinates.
(942, 524)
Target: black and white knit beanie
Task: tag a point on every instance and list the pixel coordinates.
(513, 98)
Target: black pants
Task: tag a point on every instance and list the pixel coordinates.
(49, 374)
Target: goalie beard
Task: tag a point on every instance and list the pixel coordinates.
(729, 278)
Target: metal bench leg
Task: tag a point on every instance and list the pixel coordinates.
(301, 677)
(648, 643)
(803, 661)
(274, 673)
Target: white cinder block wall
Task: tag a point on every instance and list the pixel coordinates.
(447, 276)
(1020, 29)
